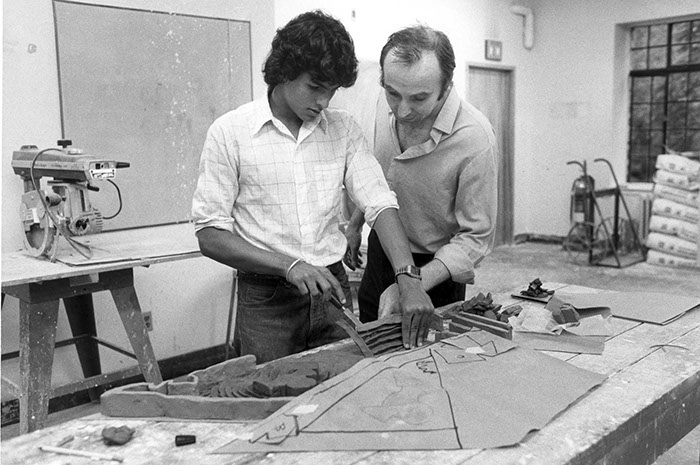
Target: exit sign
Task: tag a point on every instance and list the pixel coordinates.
(494, 50)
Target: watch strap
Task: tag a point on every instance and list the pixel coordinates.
(409, 270)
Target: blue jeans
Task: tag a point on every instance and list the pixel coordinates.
(275, 320)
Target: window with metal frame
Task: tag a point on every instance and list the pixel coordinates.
(664, 94)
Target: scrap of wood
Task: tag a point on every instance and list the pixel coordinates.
(467, 320)
(136, 401)
(237, 389)
(82, 453)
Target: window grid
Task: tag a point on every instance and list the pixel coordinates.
(665, 94)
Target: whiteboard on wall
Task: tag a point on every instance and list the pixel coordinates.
(143, 87)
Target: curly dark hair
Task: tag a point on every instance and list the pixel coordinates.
(408, 45)
(314, 43)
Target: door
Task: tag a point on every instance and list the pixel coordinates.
(491, 91)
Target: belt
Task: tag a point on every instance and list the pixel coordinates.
(274, 280)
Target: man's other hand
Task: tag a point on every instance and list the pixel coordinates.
(417, 311)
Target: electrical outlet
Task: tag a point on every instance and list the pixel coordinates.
(148, 321)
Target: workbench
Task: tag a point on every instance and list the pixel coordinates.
(39, 284)
(649, 401)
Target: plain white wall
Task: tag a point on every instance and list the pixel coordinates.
(189, 299)
(573, 96)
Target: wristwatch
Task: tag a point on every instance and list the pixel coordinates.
(408, 270)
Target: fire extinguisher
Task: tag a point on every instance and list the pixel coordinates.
(582, 206)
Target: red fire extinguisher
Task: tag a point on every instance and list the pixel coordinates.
(582, 206)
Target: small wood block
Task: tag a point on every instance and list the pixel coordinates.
(496, 327)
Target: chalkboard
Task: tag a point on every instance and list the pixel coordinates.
(143, 87)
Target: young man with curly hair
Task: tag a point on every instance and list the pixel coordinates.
(269, 194)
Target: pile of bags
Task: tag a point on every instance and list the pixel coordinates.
(675, 213)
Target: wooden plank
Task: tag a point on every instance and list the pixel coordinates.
(36, 346)
(653, 388)
(130, 312)
(635, 344)
(648, 402)
(19, 267)
(154, 444)
(9, 389)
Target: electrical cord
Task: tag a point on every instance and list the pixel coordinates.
(59, 226)
(119, 195)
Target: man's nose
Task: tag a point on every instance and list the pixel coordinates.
(404, 109)
(324, 99)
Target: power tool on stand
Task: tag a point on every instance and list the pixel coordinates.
(63, 208)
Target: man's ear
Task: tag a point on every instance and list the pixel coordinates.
(446, 90)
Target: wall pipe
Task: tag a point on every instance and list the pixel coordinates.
(528, 24)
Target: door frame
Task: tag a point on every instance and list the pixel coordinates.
(507, 164)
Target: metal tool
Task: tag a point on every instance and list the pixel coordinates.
(349, 322)
(63, 208)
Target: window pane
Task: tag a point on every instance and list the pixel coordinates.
(641, 89)
(694, 115)
(680, 54)
(636, 171)
(677, 86)
(638, 151)
(657, 57)
(676, 139)
(694, 53)
(641, 168)
(676, 115)
(694, 86)
(638, 59)
(657, 34)
(658, 93)
(658, 116)
(693, 141)
(664, 109)
(639, 37)
(640, 136)
(695, 35)
(641, 116)
(680, 33)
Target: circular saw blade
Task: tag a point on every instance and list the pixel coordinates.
(39, 237)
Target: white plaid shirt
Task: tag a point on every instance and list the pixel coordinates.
(284, 194)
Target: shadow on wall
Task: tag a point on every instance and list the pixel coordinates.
(361, 99)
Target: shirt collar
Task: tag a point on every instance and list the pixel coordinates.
(445, 120)
(263, 115)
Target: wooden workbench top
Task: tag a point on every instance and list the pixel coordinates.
(113, 250)
(649, 401)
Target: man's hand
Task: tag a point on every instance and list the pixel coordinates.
(315, 280)
(352, 255)
(417, 311)
(389, 303)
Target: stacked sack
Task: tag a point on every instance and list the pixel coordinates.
(675, 213)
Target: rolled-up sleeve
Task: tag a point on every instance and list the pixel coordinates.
(364, 178)
(476, 205)
(217, 185)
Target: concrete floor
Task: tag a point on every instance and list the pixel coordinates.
(512, 267)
